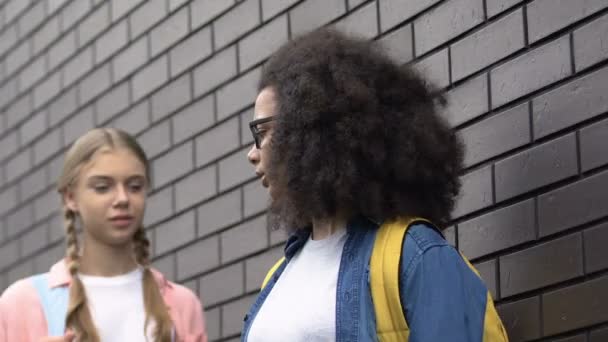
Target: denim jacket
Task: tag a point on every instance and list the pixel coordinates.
(443, 299)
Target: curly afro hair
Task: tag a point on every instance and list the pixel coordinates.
(356, 133)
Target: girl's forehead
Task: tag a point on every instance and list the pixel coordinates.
(114, 161)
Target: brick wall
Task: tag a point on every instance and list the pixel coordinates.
(527, 83)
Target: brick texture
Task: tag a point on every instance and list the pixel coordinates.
(497, 230)
(595, 254)
(497, 134)
(584, 200)
(467, 101)
(548, 16)
(525, 84)
(531, 71)
(551, 111)
(488, 45)
(585, 52)
(530, 169)
(453, 17)
(575, 306)
(542, 265)
(522, 319)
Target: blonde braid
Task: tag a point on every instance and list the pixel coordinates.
(156, 309)
(141, 245)
(78, 318)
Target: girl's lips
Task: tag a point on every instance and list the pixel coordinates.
(122, 222)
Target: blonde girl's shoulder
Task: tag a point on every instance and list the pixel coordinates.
(186, 312)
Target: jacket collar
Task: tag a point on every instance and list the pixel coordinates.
(299, 237)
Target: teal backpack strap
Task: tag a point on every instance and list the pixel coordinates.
(54, 303)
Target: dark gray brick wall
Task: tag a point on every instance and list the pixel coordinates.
(522, 319)
(446, 21)
(568, 308)
(240, 19)
(488, 45)
(531, 71)
(362, 22)
(542, 265)
(146, 16)
(526, 87)
(111, 41)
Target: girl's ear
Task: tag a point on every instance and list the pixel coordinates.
(69, 199)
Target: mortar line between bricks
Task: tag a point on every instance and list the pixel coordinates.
(212, 35)
(531, 119)
(493, 175)
(261, 11)
(572, 55)
(217, 178)
(541, 314)
(536, 219)
(288, 16)
(168, 9)
(525, 23)
(413, 30)
(215, 120)
(378, 18)
(237, 47)
(242, 204)
(579, 163)
(197, 219)
(449, 47)
(244, 270)
(583, 251)
(497, 279)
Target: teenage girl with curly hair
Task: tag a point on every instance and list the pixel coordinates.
(353, 151)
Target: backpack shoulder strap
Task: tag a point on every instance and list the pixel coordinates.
(493, 330)
(54, 303)
(271, 271)
(391, 325)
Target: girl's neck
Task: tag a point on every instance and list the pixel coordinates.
(323, 228)
(102, 260)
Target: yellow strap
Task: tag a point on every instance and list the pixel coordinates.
(493, 329)
(271, 272)
(384, 282)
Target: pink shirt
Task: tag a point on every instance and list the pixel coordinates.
(22, 318)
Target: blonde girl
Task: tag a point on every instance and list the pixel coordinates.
(105, 288)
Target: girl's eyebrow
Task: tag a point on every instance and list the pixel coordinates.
(108, 178)
(99, 178)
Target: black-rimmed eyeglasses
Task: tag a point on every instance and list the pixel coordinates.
(256, 132)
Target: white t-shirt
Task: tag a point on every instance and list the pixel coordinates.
(302, 304)
(117, 306)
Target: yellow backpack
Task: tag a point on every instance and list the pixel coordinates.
(391, 325)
